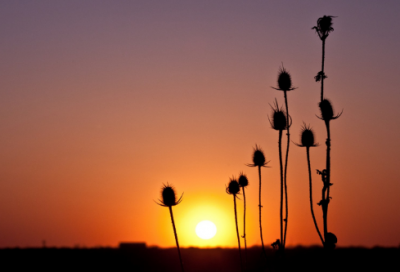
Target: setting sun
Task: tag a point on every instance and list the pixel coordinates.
(206, 229)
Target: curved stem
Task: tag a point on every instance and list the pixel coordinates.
(281, 173)
(176, 237)
(244, 225)
(259, 208)
(311, 201)
(237, 232)
(286, 166)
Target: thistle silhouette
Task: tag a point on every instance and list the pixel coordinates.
(279, 123)
(259, 161)
(323, 28)
(243, 182)
(285, 85)
(233, 189)
(307, 141)
(169, 199)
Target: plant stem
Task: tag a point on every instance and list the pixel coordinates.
(176, 238)
(237, 232)
(311, 201)
(328, 177)
(281, 173)
(323, 73)
(259, 208)
(286, 165)
(244, 225)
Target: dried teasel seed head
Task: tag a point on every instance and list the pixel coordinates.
(324, 26)
(279, 121)
(258, 157)
(233, 187)
(243, 181)
(284, 80)
(327, 111)
(307, 137)
(330, 240)
(168, 196)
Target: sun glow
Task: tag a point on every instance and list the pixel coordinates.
(206, 229)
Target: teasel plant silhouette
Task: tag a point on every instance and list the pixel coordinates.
(244, 182)
(323, 29)
(259, 161)
(285, 85)
(169, 199)
(279, 122)
(307, 141)
(233, 188)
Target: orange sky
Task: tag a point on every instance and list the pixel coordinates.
(103, 102)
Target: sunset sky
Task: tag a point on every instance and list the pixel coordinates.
(103, 102)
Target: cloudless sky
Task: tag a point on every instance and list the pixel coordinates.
(102, 102)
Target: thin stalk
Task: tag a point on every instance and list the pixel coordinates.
(286, 165)
(176, 238)
(259, 208)
(323, 74)
(328, 176)
(281, 172)
(237, 232)
(244, 225)
(311, 201)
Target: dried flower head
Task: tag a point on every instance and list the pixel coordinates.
(327, 111)
(307, 137)
(284, 81)
(278, 117)
(168, 196)
(324, 26)
(243, 181)
(233, 187)
(330, 240)
(258, 158)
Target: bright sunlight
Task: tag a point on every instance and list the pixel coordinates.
(206, 229)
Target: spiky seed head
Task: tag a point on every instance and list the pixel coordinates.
(326, 110)
(324, 26)
(243, 181)
(284, 80)
(258, 157)
(168, 196)
(233, 187)
(278, 118)
(307, 137)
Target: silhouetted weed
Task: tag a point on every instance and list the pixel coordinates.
(169, 199)
(259, 161)
(233, 188)
(285, 85)
(244, 182)
(279, 122)
(307, 141)
(323, 28)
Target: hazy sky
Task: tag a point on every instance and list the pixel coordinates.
(101, 102)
